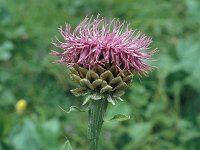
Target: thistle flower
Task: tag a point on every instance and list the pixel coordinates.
(102, 58)
(98, 42)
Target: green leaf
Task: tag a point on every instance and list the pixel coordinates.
(190, 135)
(25, 136)
(67, 146)
(7, 98)
(73, 108)
(138, 95)
(140, 132)
(120, 117)
(187, 50)
(49, 133)
(5, 49)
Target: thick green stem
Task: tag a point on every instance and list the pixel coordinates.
(96, 114)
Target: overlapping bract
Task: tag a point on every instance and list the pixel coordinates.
(100, 83)
(98, 42)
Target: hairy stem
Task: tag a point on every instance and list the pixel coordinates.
(96, 114)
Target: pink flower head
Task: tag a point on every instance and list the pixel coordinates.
(96, 41)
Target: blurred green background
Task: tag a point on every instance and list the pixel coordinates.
(164, 108)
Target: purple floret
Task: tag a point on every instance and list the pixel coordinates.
(98, 42)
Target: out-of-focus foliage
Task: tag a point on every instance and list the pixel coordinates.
(164, 108)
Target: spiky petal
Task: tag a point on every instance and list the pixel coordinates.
(98, 42)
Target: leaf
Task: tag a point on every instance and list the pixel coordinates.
(187, 50)
(25, 136)
(67, 146)
(50, 127)
(140, 132)
(5, 49)
(120, 117)
(7, 98)
(73, 108)
(124, 108)
(189, 136)
(139, 95)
